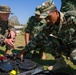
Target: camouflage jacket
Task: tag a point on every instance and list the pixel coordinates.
(68, 5)
(5, 27)
(65, 30)
(34, 26)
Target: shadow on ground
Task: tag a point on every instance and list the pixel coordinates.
(1, 51)
(20, 47)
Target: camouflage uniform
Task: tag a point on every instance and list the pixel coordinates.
(68, 5)
(44, 34)
(33, 28)
(63, 40)
(63, 35)
(42, 38)
(5, 26)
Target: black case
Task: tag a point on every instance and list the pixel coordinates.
(5, 66)
(26, 67)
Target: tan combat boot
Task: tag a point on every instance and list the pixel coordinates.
(9, 52)
(60, 64)
(42, 54)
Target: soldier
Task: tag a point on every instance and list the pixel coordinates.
(7, 31)
(34, 26)
(62, 27)
(68, 5)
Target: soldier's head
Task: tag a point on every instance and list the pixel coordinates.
(4, 12)
(37, 13)
(49, 12)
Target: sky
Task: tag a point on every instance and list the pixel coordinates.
(24, 9)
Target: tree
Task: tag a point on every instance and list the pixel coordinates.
(14, 20)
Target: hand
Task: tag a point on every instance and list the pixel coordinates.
(12, 34)
(9, 42)
(20, 55)
(68, 58)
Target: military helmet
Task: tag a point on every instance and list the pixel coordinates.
(5, 9)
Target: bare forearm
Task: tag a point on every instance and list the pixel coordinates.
(27, 38)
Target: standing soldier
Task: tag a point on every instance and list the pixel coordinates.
(34, 26)
(68, 5)
(63, 29)
(7, 31)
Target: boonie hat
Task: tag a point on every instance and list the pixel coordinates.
(5, 9)
(37, 12)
